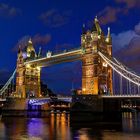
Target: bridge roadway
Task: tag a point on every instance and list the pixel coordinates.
(69, 99)
(40, 101)
(121, 96)
(69, 56)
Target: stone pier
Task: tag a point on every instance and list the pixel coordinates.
(88, 108)
(20, 107)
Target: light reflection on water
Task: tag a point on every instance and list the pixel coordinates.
(58, 127)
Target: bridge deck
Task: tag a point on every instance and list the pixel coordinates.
(57, 58)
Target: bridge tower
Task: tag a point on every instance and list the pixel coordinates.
(28, 76)
(96, 74)
(20, 76)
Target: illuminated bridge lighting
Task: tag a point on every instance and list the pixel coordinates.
(41, 101)
(78, 51)
(121, 70)
(94, 82)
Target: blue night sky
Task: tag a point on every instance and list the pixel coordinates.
(56, 25)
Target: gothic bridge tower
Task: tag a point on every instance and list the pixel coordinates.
(96, 74)
(27, 76)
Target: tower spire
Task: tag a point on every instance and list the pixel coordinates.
(108, 34)
(97, 25)
(96, 19)
(19, 49)
(30, 40)
(83, 29)
(39, 53)
(108, 38)
(30, 49)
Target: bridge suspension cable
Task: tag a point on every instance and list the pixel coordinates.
(121, 70)
(3, 89)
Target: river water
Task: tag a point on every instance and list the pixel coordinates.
(58, 127)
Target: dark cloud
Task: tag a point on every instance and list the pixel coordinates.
(137, 29)
(54, 18)
(130, 55)
(129, 3)
(129, 52)
(110, 14)
(36, 39)
(41, 39)
(22, 43)
(122, 39)
(8, 11)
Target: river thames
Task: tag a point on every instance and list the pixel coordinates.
(58, 127)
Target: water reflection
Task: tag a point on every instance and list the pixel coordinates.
(131, 122)
(36, 128)
(58, 127)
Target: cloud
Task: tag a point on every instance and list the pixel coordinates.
(36, 39)
(122, 39)
(8, 11)
(130, 55)
(137, 29)
(126, 47)
(129, 3)
(41, 39)
(110, 14)
(54, 18)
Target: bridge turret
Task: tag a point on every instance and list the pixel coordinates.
(27, 76)
(30, 50)
(109, 42)
(109, 51)
(20, 76)
(108, 38)
(89, 42)
(83, 29)
(96, 75)
(99, 30)
(20, 59)
(40, 52)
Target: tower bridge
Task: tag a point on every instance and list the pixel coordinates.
(98, 68)
(96, 76)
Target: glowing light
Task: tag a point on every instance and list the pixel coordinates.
(122, 74)
(38, 68)
(104, 64)
(24, 55)
(79, 51)
(49, 54)
(84, 89)
(28, 65)
(107, 40)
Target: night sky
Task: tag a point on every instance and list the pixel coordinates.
(56, 25)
